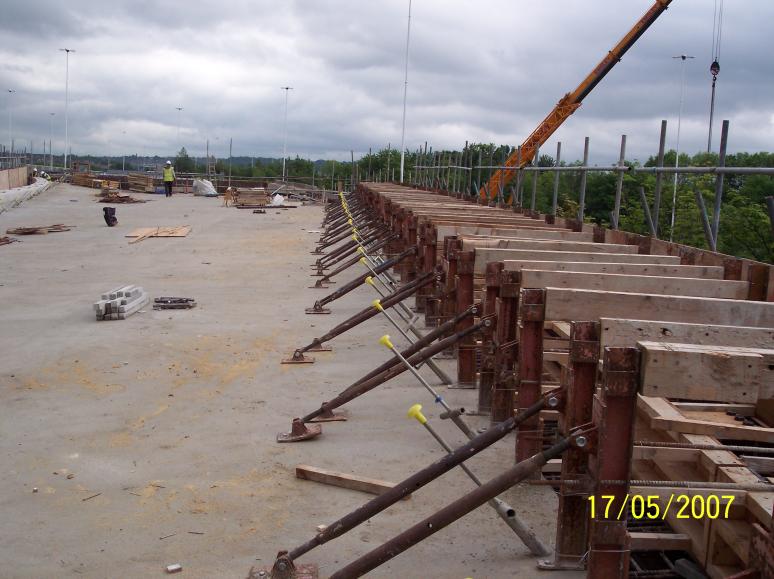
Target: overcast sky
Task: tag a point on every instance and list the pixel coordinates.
(484, 71)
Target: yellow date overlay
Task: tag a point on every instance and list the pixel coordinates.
(657, 507)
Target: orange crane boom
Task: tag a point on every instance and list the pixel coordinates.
(569, 103)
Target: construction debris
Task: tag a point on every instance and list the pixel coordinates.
(251, 198)
(120, 303)
(6, 240)
(116, 198)
(40, 230)
(146, 232)
(168, 303)
(141, 183)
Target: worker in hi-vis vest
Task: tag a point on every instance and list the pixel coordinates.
(169, 178)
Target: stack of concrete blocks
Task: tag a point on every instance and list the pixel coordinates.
(120, 303)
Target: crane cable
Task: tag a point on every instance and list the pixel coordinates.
(717, 30)
(717, 37)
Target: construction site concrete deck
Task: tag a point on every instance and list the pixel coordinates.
(151, 440)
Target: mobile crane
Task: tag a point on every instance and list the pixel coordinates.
(569, 103)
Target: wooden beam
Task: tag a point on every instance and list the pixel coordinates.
(445, 228)
(624, 332)
(340, 479)
(712, 373)
(680, 286)
(572, 305)
(763, 465)
(659, 542)
(699, 271)
(546, 245)
(485, 255)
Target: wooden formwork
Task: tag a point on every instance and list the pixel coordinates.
(651, 341)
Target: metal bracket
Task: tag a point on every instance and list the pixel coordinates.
(298, 358)
(300, 431)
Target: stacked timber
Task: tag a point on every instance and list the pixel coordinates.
(141, 182)
(83, 179)
(120, 303)
(257, 197)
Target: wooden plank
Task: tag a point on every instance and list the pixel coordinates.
(573, 305)
(486, 255)
(686, 426)
(445, 229)
(697, 271)
(340, 479)
(713, 373)
(166, 231)
(616, 332)
(763, 465)
(710, 288)
(659, 541)
(469, 243)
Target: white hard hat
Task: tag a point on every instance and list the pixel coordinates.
(169, 162)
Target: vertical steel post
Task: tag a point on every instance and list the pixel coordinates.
(466, 349)
(619, 185)
(516, 201)
(719, 182)
(584, 175)
(530, 369)
(614, 415)
(579, 382)
(555, 198)
(507, 306)
(659, 176)
(494, 271)
(535, 177)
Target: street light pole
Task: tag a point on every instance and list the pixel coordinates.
(67, 52)
(405, 90)
(10, 122)
(683, 58)
(179, 112)
(51, 140)
(285, 130)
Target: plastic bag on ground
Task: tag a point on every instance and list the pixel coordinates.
(277, 200)
(203, 187)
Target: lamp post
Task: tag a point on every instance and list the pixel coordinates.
(51, 140)
(179, 112)
(67, 52)
(285, 130)
(683, 58)
(405, 90)
(10, 122)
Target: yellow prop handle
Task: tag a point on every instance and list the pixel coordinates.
(416, 412)
(360, 249)
(376, 303)
(363, 260)
(369, 280)
(349, 221)
(385, 341)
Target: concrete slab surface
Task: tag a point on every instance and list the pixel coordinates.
(151, 439)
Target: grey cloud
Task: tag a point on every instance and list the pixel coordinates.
(482, 71)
